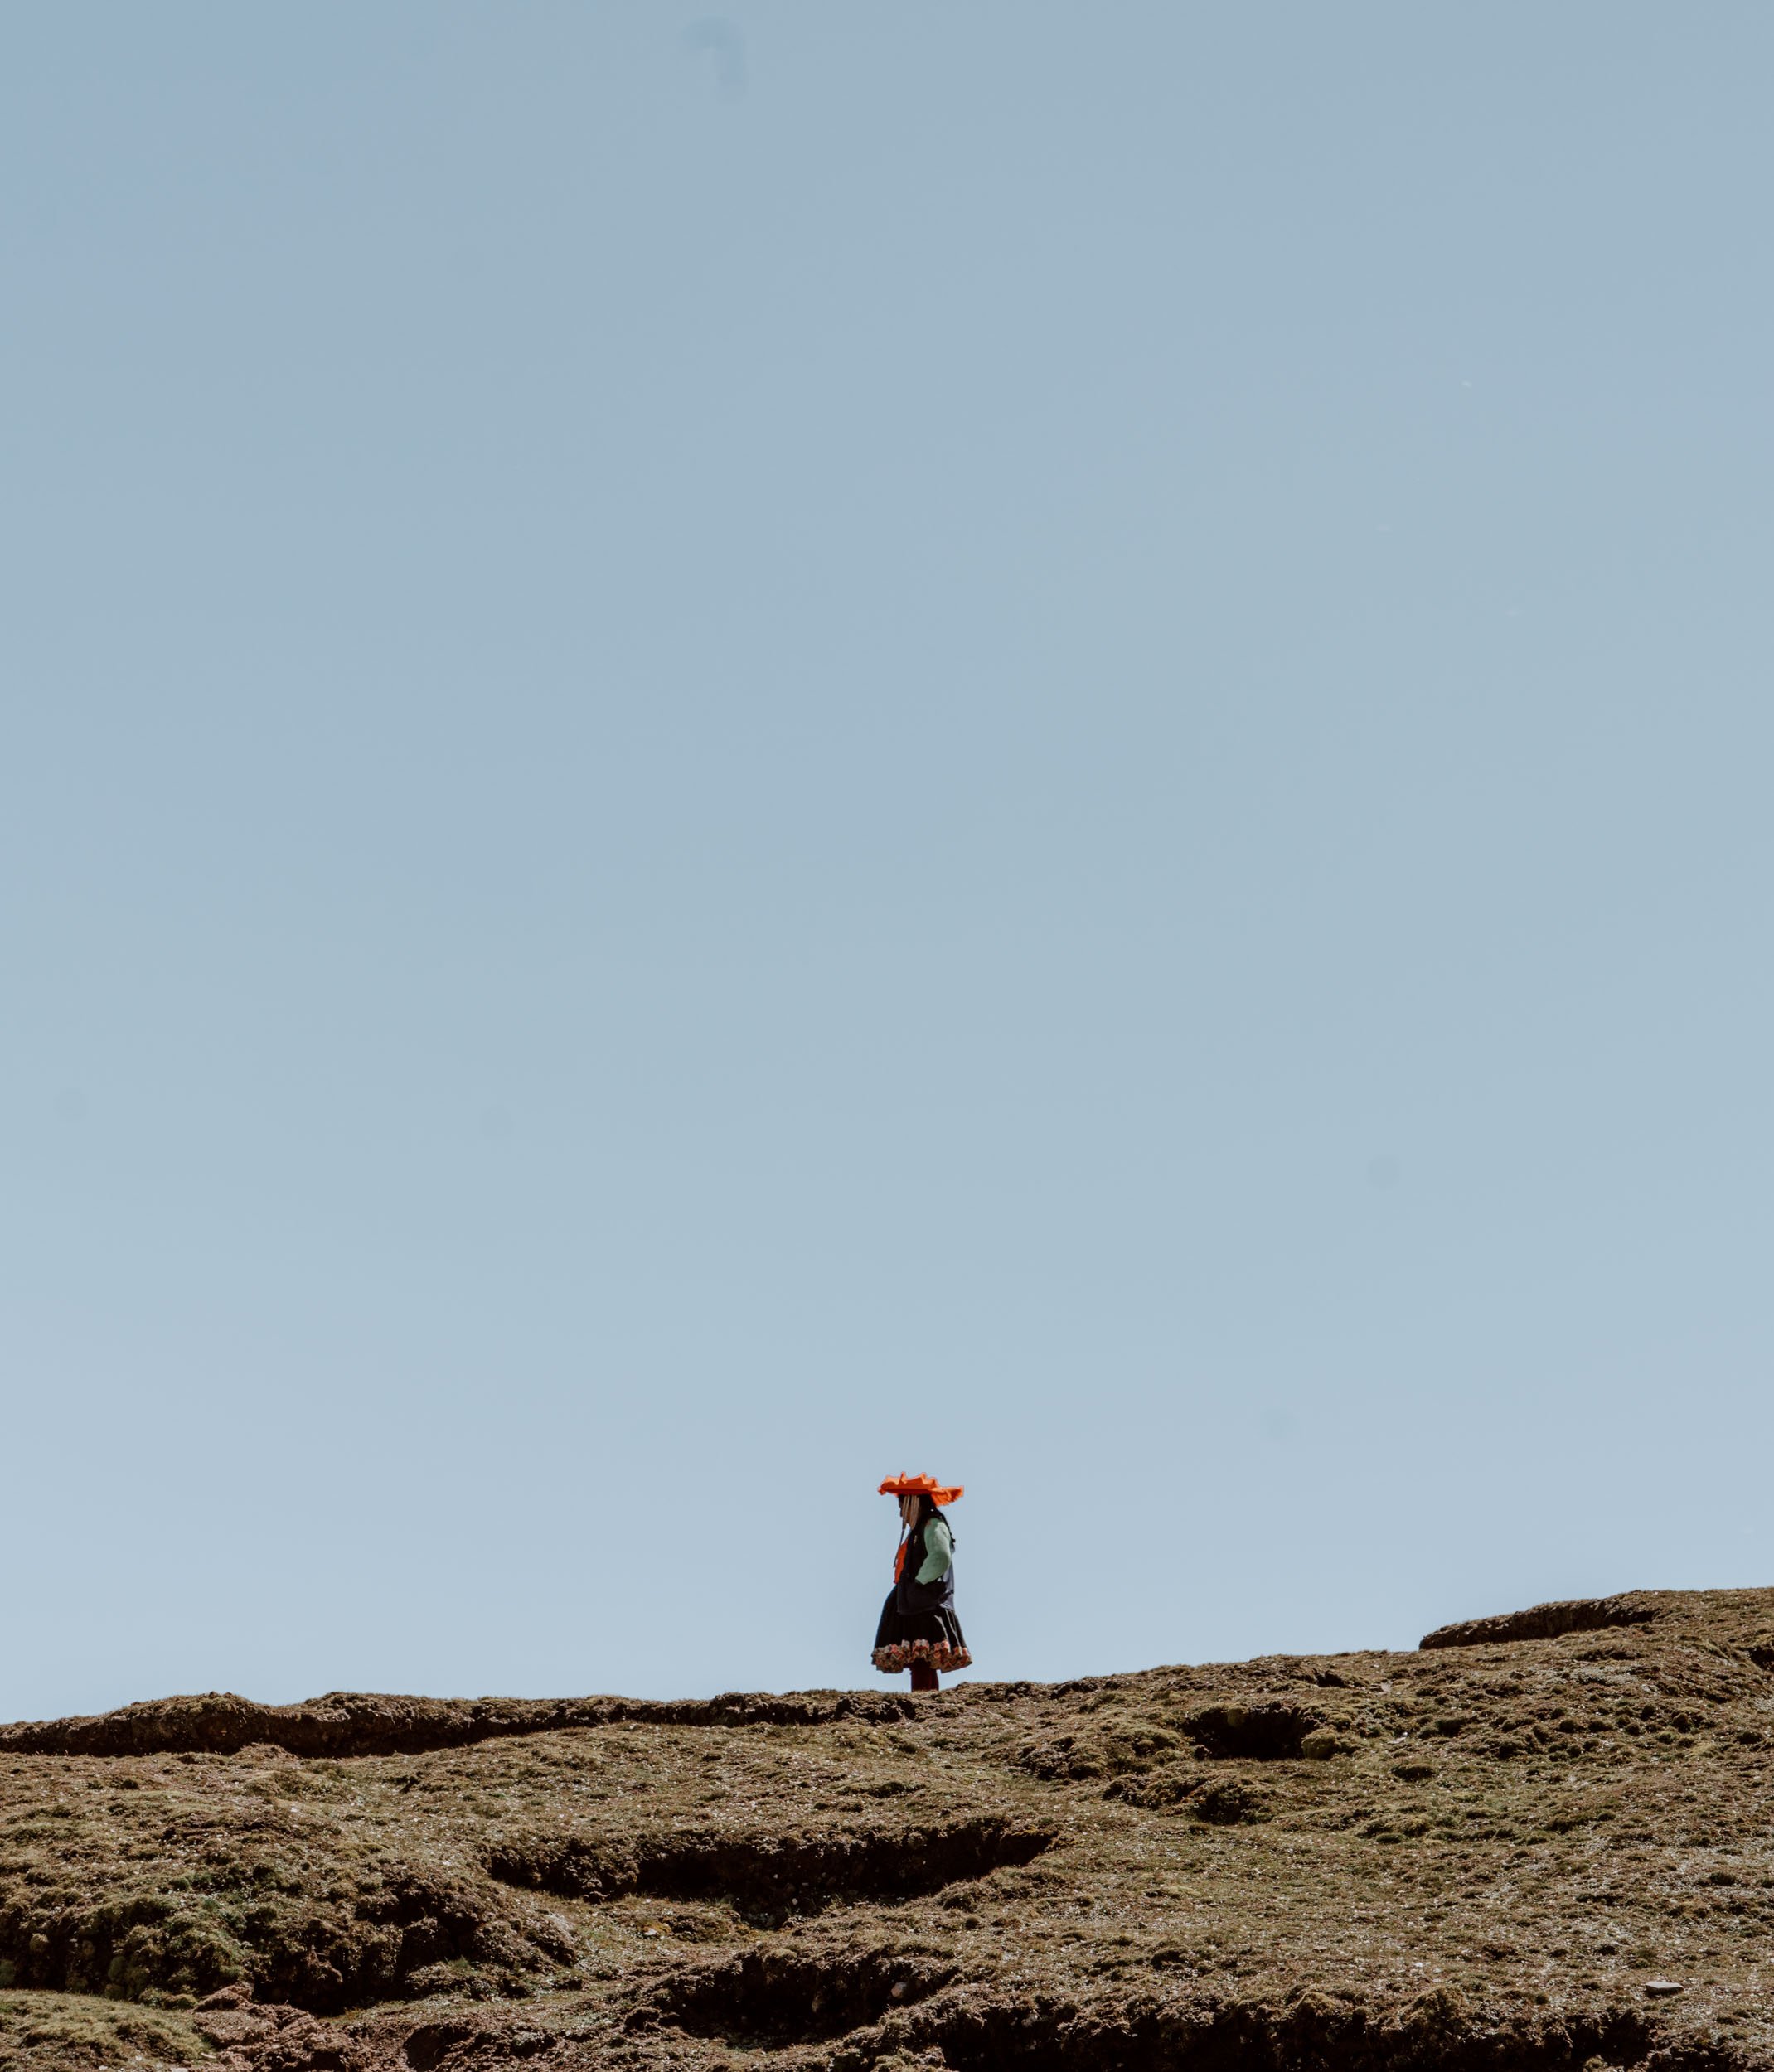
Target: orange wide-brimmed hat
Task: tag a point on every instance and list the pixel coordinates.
(905, 1485)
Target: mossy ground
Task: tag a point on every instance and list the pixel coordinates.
(1496, 1850)
(54, 2032)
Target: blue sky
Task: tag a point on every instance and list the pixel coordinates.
(737, 750)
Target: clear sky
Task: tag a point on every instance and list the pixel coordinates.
(740, 750)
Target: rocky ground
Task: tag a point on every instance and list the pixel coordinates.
(1539, 1841)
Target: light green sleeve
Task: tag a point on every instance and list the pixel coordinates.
(939, 1551)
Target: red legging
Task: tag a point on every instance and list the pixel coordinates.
(923, 1677)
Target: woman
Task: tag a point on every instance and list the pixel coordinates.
(918, 1629)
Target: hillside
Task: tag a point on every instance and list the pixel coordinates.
(1537, 1841)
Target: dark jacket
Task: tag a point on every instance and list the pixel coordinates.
(910, 1596)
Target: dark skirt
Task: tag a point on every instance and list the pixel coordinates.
(904, 1637)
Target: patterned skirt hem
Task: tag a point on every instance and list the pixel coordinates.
(892, 1661)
